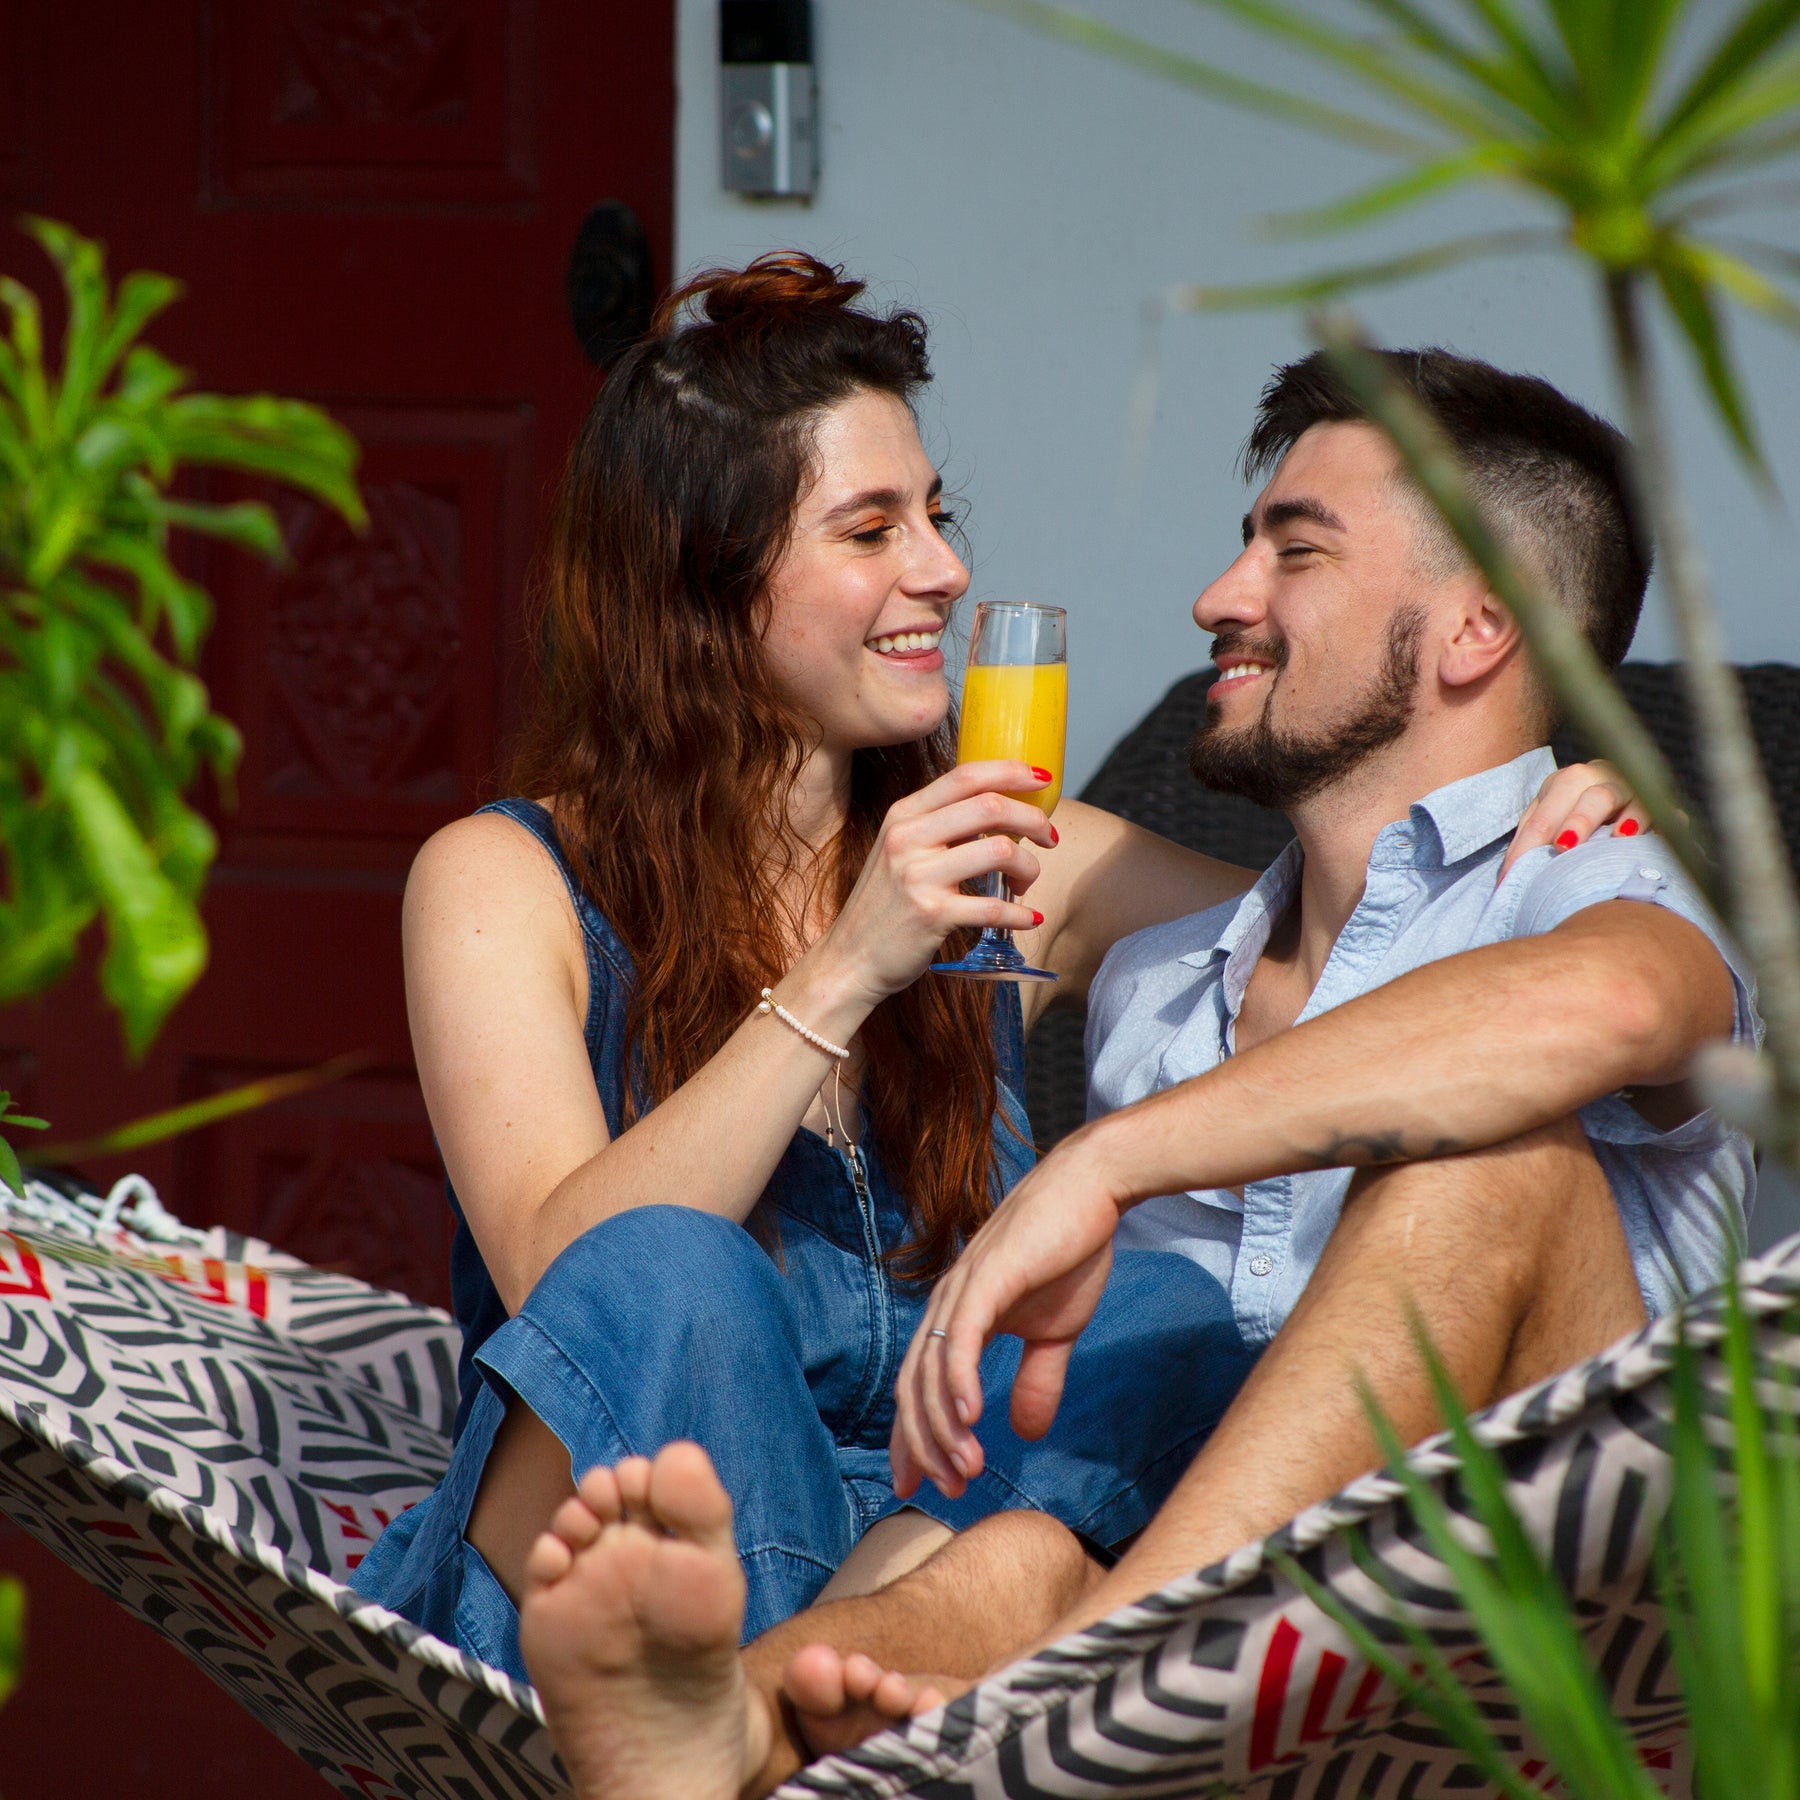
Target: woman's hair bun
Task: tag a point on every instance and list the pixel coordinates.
(780, 282)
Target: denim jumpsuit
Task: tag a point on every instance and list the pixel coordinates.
(776, 1349)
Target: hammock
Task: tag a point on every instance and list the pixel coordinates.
(214, 1432)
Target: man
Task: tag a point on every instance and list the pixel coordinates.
(1382, 1086)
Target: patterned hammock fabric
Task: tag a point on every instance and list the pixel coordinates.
(213, 1432)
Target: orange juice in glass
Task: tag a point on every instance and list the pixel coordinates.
(1015, 705)
(1017, 709)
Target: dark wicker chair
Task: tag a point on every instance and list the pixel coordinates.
(1146, 780)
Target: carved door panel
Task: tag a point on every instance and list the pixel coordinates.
(373, 204)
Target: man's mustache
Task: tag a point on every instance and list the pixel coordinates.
(1272, 651)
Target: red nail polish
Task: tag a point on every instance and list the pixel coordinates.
(1626, 828)
(1043, 774)
(1567, 841)
(1056, 838)
(1037, 918)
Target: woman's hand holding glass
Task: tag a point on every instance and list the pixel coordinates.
(909, 896)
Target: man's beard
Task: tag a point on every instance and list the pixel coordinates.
(1281, 769)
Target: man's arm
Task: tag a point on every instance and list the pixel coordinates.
(1469, 1051)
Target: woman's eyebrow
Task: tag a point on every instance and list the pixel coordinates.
(885, 499)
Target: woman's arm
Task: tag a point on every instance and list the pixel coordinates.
(497, 997)
(1106, 878)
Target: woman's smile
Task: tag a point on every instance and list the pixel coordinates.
(916, 650)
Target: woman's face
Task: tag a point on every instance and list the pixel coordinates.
(862, 592)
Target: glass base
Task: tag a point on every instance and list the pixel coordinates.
(993, 958)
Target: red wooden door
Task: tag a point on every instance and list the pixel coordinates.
(373, 204)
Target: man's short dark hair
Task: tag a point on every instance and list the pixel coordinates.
(1549, 474)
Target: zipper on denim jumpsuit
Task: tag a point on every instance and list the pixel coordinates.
(879, 1310)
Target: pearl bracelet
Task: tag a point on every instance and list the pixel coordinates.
(769, 1004)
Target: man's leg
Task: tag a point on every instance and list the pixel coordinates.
(966, 1609)
(1513, 1260)
(634, 1600)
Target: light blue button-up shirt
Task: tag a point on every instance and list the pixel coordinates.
(1163, 1009)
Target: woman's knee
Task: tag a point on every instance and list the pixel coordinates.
(676, 1261)
(651, 1310)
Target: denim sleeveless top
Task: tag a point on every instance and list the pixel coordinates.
(832, 1232)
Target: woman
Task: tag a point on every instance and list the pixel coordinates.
(708, 1132)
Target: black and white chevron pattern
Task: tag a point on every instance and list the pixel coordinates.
(214, 1436)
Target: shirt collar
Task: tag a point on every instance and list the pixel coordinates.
(1255, 914)
(1463, 816)
(1469, 815)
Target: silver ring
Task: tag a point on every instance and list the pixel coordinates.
(937, 1331)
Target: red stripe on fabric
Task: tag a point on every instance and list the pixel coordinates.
(1331, 1667)
(32, 1270)
(1364, 1697)
(1271, 1694)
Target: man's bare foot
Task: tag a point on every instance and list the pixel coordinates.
(839, 1700)
(629, 1625)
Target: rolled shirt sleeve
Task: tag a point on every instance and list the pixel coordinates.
(1684, 1194)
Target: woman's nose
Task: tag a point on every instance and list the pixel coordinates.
(937, 569)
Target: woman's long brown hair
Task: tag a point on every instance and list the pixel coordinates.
(670, 753)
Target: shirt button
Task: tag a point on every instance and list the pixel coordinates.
(1262, 1265)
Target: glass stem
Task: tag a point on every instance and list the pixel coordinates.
(993, 885)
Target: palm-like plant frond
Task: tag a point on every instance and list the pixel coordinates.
(1571, 102)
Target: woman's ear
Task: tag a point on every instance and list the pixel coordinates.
(1483, 636)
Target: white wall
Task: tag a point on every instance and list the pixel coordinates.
(1027, 196)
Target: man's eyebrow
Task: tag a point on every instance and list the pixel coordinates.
(1285, 512)
(878, 500)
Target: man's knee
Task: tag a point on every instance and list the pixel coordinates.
(1042, 1552)
(1513, 1202)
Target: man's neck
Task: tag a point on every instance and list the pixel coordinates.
(1337, 829)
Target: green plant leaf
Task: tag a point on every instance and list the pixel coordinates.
(1080, 28)
(1433, 1688)
(1757, 30)
(13, 1177)
(1692, 306)
(1375, 65)
(1384, 197)
(247, 523)
(1519, 77)
(12, 1634)
(1637, 35)
(177, 1121)
(1521, 1610)
(156, 944)
(1328, 284)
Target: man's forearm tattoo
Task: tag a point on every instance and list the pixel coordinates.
(1352, 1148)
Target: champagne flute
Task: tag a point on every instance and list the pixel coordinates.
(1015, 705)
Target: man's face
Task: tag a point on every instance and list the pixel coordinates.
(1316, 626)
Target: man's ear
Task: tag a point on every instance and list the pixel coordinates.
(1483, 635)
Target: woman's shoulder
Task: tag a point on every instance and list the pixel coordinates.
(490, 866)
(503, 869)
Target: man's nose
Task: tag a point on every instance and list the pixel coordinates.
(1236, 597)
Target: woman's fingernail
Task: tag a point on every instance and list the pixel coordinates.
(962, 1408)
(1626, 828)
(1037, 918)
(957, 1463)
(1055, 837)
(1567, 841)
(1043, 774)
